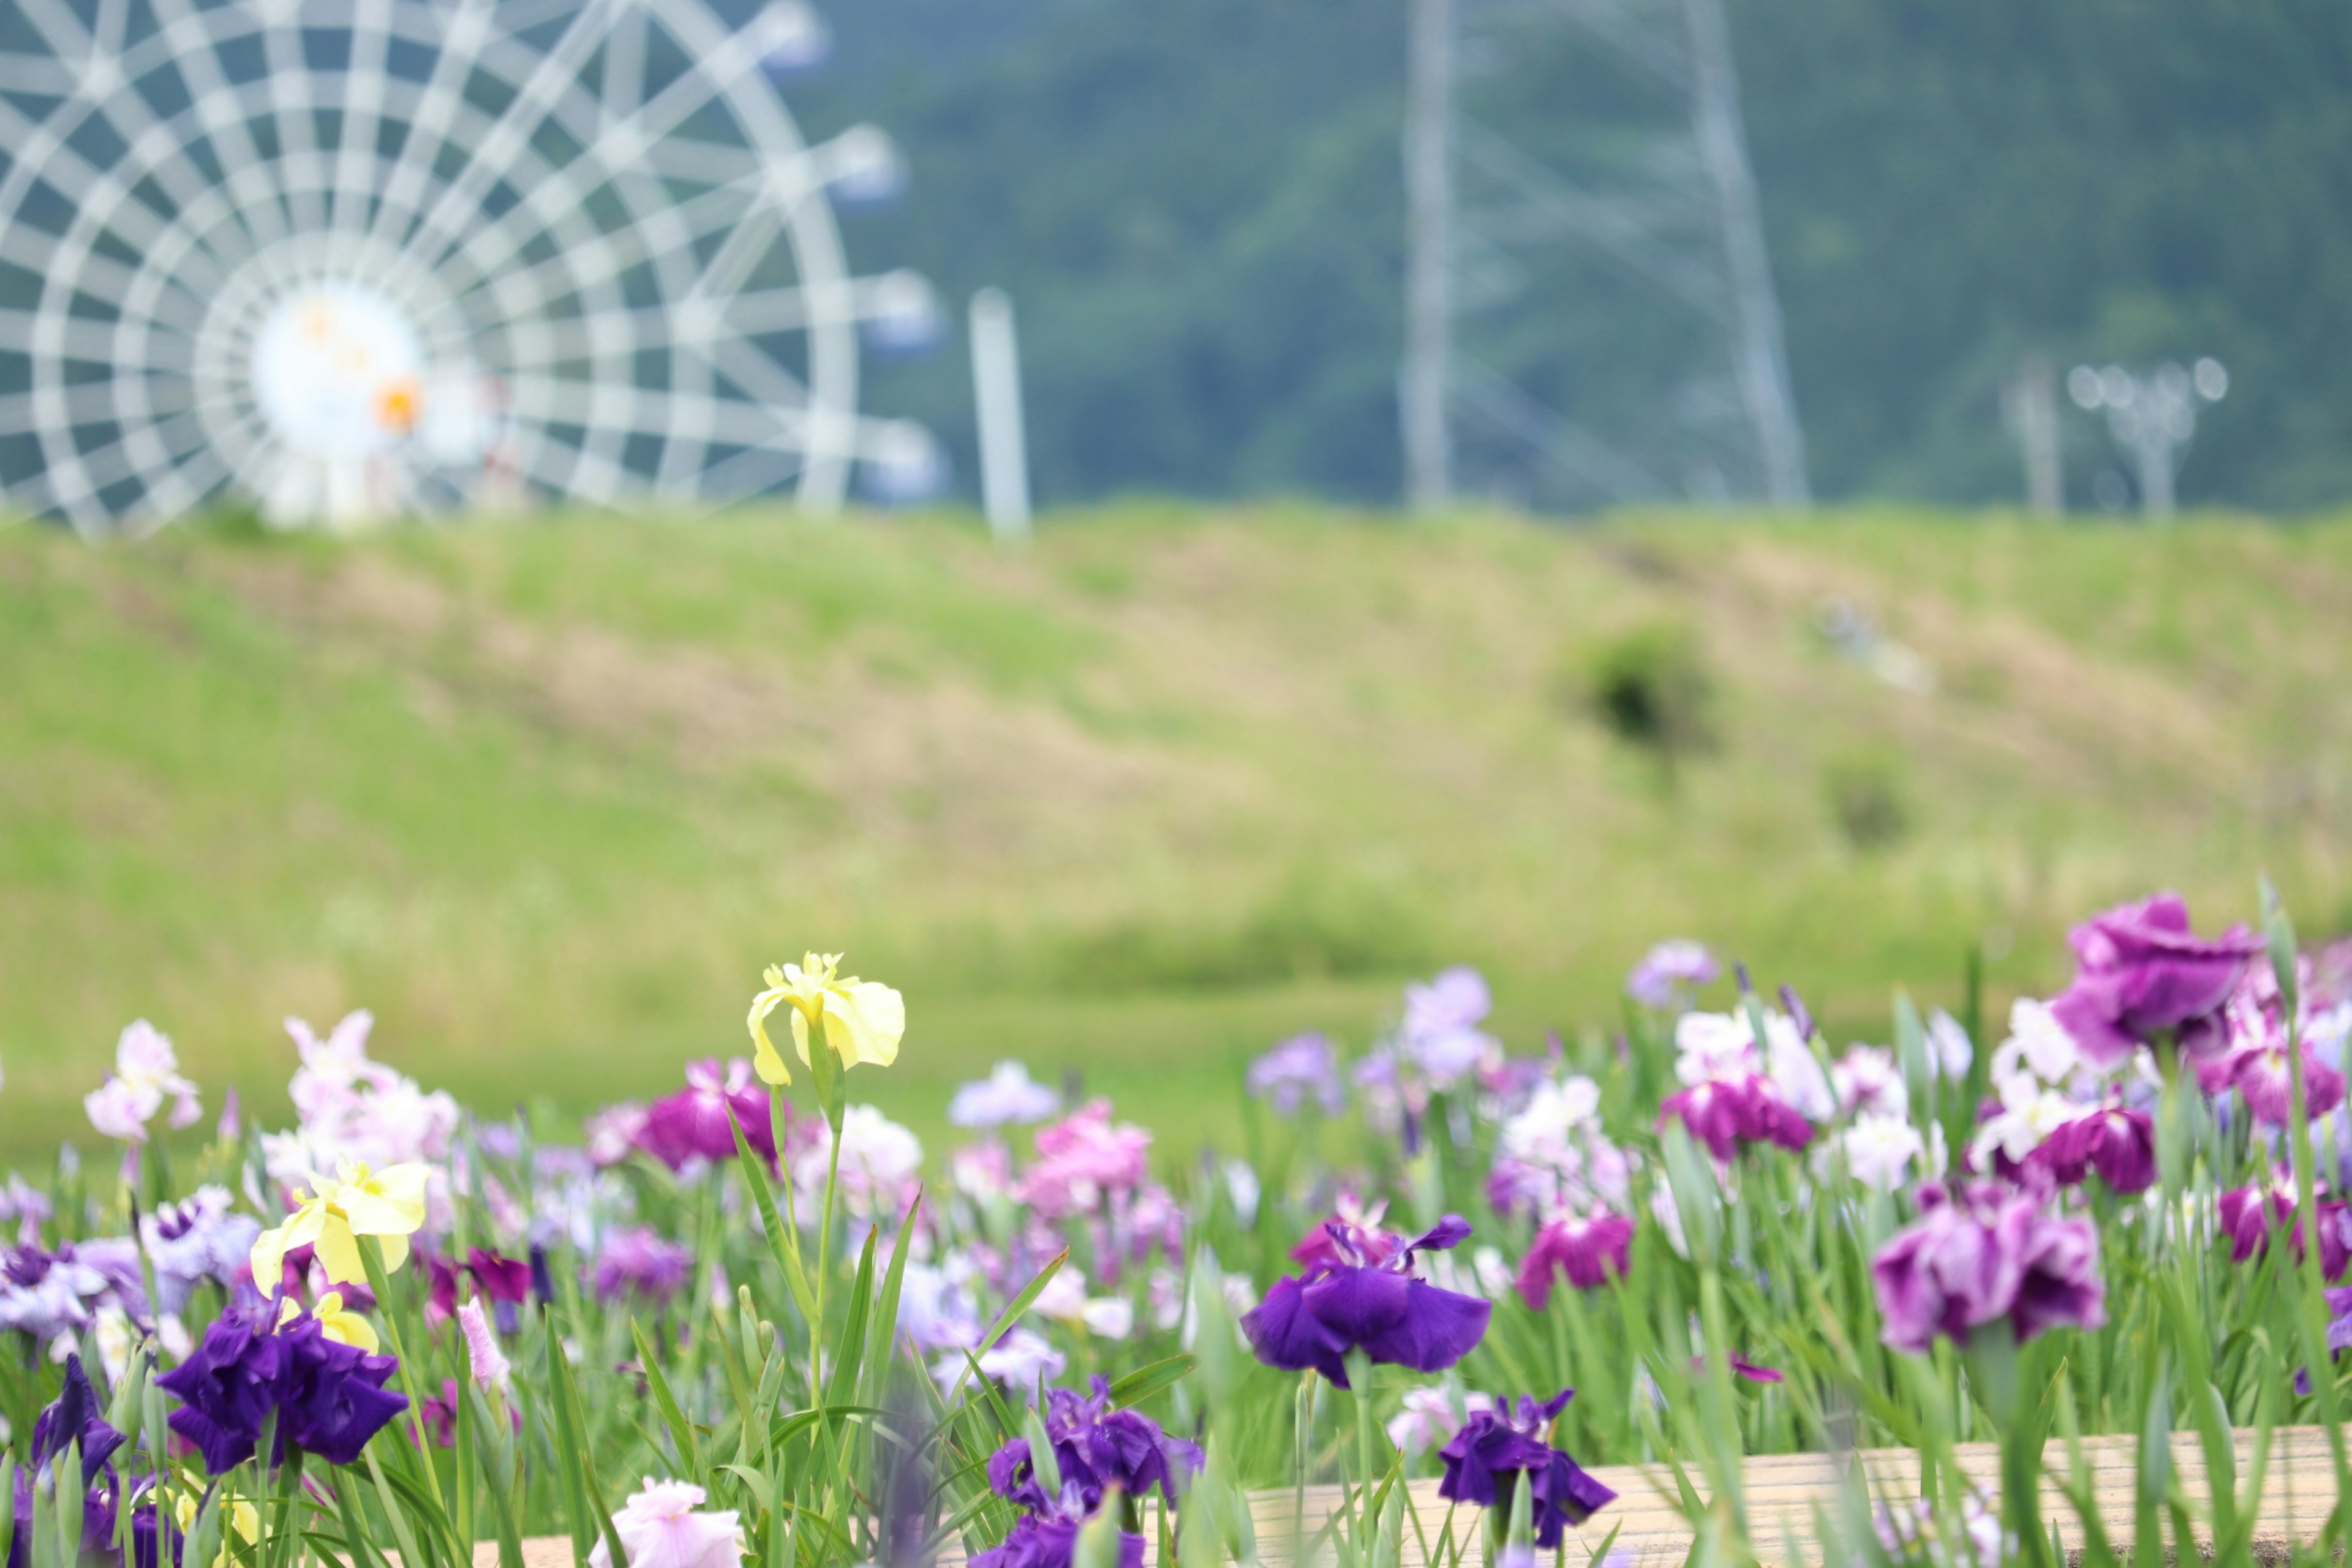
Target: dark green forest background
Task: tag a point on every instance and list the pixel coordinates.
(1197, 205)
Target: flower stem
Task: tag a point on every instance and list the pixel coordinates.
(2310, 1318)
(371, 1256)
(829, 1097)
(1360, 1383)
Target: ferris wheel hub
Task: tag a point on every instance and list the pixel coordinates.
(338, 372)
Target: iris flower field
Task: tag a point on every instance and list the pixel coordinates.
(834, 1047)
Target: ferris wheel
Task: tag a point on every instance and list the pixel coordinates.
(341, 259)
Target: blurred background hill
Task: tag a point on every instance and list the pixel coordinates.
(1133, 804)
(1198, 207)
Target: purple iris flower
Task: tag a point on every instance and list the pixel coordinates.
(330, 1397)
(1440, 1034)
(1006, 1096)
(638, 1259)
(1303, 1068)
(2117, 1142)
(1051, 1541)
(1981, 1255)
(1669, 972)
(45, 1294)
(26, 1205)
(2339, 1318)
(1096, 1447)
(1723, 1114)
(1494, 1448)
(693, 1121)
(2141, 971)
(1379, 1307)
(197, 1240)
(1589, 1251)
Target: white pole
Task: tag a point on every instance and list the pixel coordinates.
(1429, 256)
(2030, 403)
(996, 390)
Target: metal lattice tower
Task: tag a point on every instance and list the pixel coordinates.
(1646, 223)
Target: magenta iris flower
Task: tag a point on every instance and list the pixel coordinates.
(1497, 1449)
(1589, 1252)
(1981, 1255)
(1723, 1114)
(2141, 972)
(2117, 1142)
(2246, 1223)
(2254, 1061)
(1350, 1237)
(1381, 1308)
(693, 1121)
(504, 1281)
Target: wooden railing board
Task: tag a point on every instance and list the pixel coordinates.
(1782, 1490)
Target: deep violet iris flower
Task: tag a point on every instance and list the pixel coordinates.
(72, 1417)
(1051, 1541)
(1096, 1447)
(330, 1397)
(2142, 972)
(1496, 1448)
(1312, 1321)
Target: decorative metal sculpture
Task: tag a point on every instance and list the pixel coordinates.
(342, 259)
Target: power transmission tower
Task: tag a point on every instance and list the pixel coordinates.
(1589, 311)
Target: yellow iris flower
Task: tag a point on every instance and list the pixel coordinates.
(343, 1328)
(861, 1020)
(236, 1514)
(388, 1204)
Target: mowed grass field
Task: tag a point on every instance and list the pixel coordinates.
(1131, 803)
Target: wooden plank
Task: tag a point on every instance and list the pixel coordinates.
(1782, 1493)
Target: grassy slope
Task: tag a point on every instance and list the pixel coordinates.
(547, 797)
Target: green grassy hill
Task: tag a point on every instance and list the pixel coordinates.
(1131, 803)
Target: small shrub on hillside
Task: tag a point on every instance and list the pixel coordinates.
(1866, 800)
(1649, 686)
